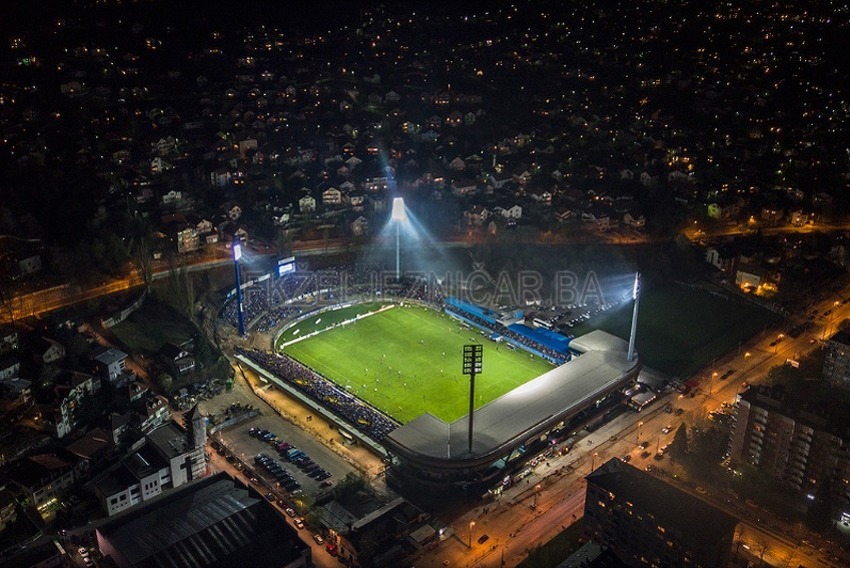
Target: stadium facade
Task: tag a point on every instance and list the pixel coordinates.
(431, 456)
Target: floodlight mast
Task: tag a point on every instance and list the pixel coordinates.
(236, 245)
(636, 297)
(472, 357)
(397, 216)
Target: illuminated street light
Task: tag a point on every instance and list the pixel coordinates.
(471, 524)
(398, 215)
(639, 424)
(536, 495)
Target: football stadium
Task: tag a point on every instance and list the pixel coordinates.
(386, 369)
(455, 394)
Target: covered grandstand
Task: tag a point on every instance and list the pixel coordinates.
(552, 346)
(432, 455)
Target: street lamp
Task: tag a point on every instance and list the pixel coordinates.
(536, 495)
(593, 461)
(471, 524)
(398, 216)
(638, 432)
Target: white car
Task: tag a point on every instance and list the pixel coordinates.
(667, 429)
(83, 551)
(299, 523)
(318, 538)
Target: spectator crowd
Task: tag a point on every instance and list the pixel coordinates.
(357, 413)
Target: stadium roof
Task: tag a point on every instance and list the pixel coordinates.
(523, 413)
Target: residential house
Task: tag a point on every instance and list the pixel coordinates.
(798, 218)
(232, 211)
(376, 184)
(721, 258)
(15, 395)
(357, 199)
(47, 351)
(177, 358)
(169, 458)
(333, 196)
(476, 215)
(541, 195)
(771, 215)
(498, 181)
(360, 226)
(307, 204)
(69, 396)
(221, 177)
(172, 198)
(512, 212)
(91, 450)
(457, 164)
(755, 278)
(42, 478)
(9, 339)
(29, 265)
(8, 509)
(159, 165)
(353, 162)
(110, 364)
(522, 178)
(188, 240)
(634, 221)
(725, 211)
(464, 187)
(10, 366)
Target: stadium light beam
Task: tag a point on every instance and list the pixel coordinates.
(398, 216)
(236, 245)
(636, 297)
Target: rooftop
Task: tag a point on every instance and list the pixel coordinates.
(667, 504)
(213, 522)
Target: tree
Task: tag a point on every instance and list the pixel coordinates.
(679, 445)
(819, 515)
(165, 382)
(144, 261)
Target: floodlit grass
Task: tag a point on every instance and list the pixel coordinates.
(407, 361)
(325, 320)
(681, 329)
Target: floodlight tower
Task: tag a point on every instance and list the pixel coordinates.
(398, 215)
(236, 246)
(472, 357)
(636, 298)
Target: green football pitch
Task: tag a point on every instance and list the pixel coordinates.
(406, 361)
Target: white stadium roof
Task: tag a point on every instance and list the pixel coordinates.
(525, 412)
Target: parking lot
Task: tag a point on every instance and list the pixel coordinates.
(243, 445)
